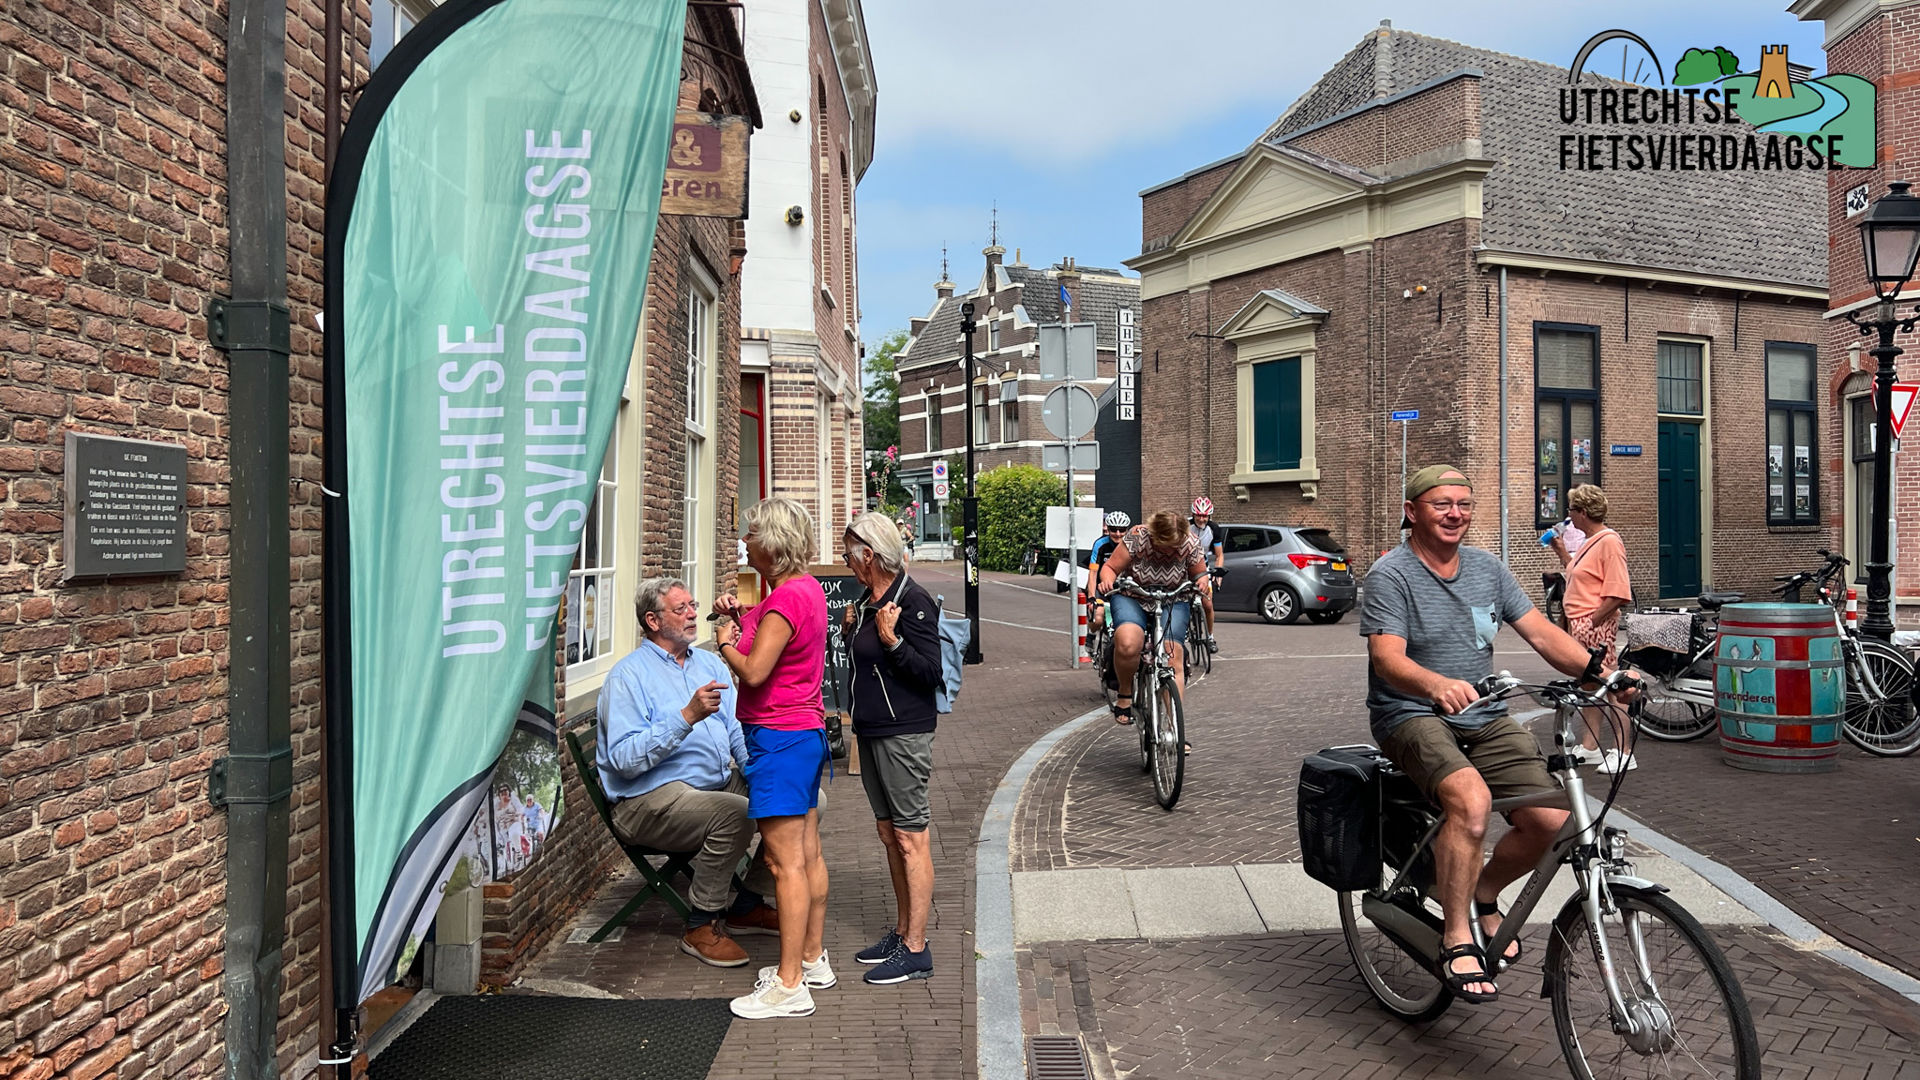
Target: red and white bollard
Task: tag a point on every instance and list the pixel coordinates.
(1080, 618)
(1853, 608)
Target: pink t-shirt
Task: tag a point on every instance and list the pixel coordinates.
(790, 698)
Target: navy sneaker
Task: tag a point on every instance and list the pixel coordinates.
(878, 952)
(903, 964)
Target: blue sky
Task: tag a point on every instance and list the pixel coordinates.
(1062, 110)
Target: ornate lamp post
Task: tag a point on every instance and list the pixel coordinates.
(1890, 240)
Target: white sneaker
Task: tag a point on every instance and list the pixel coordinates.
(1616, 762)
(816, 974)
(771, 999)
(1583, 756)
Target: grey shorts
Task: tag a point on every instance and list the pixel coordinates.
(896, 770)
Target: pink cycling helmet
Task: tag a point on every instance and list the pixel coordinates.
(1203, 505)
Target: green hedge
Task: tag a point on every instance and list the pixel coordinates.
(1013, 512)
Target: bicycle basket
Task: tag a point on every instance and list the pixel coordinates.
(1339, 817)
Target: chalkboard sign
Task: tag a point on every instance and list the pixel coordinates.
(842, 589)
(126, 506)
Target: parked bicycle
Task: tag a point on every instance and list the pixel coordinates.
(1637, 986)
(1881, 716)
(1159, 714)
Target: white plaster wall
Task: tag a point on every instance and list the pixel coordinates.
(776, 281)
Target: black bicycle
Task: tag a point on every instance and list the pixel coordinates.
(1159, 714)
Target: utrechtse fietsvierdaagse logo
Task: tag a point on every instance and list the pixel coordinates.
(1711, 116)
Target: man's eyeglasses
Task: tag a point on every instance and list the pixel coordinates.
(691, 607)
(1447, 506)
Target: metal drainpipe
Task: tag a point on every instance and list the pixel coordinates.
(1503, 418)
(254, 782)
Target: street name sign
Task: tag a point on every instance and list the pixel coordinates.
(1405, 414)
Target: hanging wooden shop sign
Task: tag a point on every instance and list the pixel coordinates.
(706, 166)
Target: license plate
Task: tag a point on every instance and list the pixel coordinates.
(1339, 566)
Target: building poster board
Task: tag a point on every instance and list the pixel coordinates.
(126, 506)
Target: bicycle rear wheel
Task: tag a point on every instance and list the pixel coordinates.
(1169, 743)
(1401, 984)
(1670, 719)
(1681, 993)
(1888, 726)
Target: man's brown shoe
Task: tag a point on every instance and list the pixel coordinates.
(762, 919)
(710, 945)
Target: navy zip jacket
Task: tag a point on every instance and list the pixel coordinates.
(893, 688)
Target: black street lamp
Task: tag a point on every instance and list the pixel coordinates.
(1890, 240)
(969, 508)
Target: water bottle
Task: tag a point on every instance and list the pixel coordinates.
(1546, 538)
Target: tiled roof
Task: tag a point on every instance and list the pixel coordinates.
(1768, 226)
(941, 337)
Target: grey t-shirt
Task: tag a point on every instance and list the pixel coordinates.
(1448, 623)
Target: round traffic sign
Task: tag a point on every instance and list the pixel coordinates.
(1055, 415)
(940, 469)
(940, 491)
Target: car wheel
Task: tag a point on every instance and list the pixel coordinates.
(1324, 617)
(1278, 605)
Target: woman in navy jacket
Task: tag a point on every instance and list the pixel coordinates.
(894, 640)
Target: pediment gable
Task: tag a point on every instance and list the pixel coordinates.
(1267, 186)
(1271, 310)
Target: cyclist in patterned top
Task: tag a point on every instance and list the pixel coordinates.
(1162, 554)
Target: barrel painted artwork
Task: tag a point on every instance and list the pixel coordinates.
(1780, 686)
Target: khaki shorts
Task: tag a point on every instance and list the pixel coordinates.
(1429, 750)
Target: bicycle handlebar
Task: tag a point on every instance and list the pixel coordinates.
(1502, 685)
(1133, 588)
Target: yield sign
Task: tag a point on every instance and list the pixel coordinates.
(1903, 394)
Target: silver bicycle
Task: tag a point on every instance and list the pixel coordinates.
(1159, 714)
(1637, 987)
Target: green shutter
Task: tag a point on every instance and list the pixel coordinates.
(1276, 414)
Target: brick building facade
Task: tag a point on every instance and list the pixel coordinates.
(115, 695)
(1362, 258)
(800, 377)
(1010, 302)
(1879, 43)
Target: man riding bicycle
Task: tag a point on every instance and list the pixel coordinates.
(1213, 549)
(1162, 554)
(1430, 614)
(1117, 523)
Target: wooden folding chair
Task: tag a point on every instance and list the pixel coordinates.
(659, 882)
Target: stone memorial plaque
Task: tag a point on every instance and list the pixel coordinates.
(126, 506)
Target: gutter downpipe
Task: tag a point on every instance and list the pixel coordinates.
(1504, 560)
(255, 781)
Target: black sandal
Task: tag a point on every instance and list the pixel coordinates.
(1457, 981)
(1123, 714)
(1481, 911)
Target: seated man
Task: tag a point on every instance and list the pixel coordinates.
(1431, 611)
(670, 755)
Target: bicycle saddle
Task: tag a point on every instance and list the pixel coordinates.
(1712, 601)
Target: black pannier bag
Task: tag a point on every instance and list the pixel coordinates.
(1339, 817)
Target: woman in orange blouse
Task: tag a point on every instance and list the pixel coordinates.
(1598, 587)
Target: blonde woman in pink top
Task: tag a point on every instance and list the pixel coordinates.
(778, 651)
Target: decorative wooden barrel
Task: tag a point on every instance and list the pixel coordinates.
(1780, 686)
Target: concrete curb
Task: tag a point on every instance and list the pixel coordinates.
(996, 978)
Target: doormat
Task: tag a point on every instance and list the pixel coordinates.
(515, 1037)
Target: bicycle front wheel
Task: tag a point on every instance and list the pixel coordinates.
(1201, 660)
(1143, 718)
(1670, 719)
(1889, 725)
(1169, 743)
(1689, 1017)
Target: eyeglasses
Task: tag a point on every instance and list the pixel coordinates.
(1447, 506)
(691, 607)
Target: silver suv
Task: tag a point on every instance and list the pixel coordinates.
(1279, 571)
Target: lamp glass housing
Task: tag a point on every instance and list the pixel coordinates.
(1890, 240)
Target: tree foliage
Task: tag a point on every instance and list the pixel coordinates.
(881, 412)
(1704, 65)
(1013, 512)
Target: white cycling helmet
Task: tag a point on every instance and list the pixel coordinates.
(1202, 505)
(1118, 519)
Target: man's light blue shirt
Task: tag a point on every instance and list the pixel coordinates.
(645, 742)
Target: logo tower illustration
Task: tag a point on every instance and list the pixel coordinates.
(1774, 82)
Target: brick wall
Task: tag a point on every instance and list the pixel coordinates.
(1164, 211)
(1429, 120)
(1886, 51)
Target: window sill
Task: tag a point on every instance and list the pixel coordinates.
(1794, 526)
(1307, 474)
(827, 295)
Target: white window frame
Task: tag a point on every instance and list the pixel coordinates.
(590, 626)
(1009, 410)
(1294, 338)
(400, 16)
(697, 479)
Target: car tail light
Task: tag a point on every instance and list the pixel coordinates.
(1304, 561)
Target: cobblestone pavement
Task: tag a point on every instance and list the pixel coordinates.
(919, 1029)
(1828, 846)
